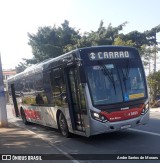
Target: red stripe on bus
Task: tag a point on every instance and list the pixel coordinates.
(32, 114)
(123, 114)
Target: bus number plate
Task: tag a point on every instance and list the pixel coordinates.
(125, 126)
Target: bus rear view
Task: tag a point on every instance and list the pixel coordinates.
(116, 89)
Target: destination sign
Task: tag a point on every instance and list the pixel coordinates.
(109, 55)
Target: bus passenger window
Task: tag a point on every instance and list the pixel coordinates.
(58, 88)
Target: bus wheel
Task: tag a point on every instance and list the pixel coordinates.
(63, 127)
(23, 116)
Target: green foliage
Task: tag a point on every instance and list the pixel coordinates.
(50, 42)
(103, 36)
(151, 35)
(29, 100)
(136, 37)
(43, 44)
(154, 85)
(119, 41)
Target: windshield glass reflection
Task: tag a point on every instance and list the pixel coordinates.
(114, 83)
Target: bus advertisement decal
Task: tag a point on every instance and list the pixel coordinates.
(32, 114)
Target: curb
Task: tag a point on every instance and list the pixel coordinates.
(47, 141)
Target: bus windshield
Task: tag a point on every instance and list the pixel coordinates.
(115, 82)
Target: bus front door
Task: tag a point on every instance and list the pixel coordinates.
(76, 99)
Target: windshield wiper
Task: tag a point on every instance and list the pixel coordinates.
(109, 75)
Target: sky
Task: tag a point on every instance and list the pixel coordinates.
(19, 17)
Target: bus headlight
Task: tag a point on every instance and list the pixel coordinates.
(98, 117)
(145, 109)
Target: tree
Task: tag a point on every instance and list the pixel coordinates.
(136, 37)
(50, 42)
(151, 35)
(119, 41)
(103, 36)
(21, 67)
(154, 85)
(45, 44)
(68, 35)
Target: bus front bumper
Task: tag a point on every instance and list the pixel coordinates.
(97, 127)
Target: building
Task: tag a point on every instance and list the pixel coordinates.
(6, 75)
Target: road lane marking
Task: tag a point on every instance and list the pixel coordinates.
(145, 132)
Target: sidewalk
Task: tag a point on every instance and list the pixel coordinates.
(16, 140)
(155, 109)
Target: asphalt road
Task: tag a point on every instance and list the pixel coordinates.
(140, 140)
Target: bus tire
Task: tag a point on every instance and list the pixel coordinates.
(62, 124)
(23, 116)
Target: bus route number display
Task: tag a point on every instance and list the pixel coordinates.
(109, 55)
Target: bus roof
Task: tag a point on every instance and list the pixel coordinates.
(40, 66)
(46, 63)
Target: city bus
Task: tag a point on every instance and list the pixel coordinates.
(87, 91)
